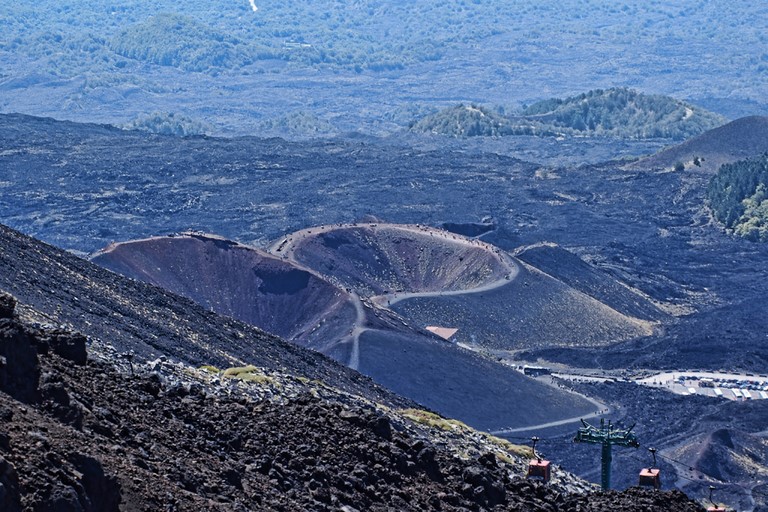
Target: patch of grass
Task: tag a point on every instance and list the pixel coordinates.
(209, 369)
(255, 378)
(250, 373)
(521, 451)
(434, 420)
(237, 370)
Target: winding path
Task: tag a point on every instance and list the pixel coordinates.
(601, 411)
(512, 267)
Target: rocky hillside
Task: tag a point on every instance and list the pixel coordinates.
(148, 322)
(84, 431)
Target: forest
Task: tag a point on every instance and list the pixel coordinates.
(738, 197)
(369, 66)
(617, 113)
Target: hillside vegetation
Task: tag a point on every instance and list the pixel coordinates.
(364, 63)
(474, 121)
(618, 113)
(167, 123)
(180, 41)
(738, 197)
(625, 113)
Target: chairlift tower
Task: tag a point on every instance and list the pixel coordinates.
(606, 436)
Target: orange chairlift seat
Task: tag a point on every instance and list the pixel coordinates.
(539, 468)
(651, 477)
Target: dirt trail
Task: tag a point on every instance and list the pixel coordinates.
(394, 298)
(286, 248)
(354, 335)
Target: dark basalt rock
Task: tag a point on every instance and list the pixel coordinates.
(183, 449)
(10, 500)
(70, 346)
(19, 371)
(7, 305)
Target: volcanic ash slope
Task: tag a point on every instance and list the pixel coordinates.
(286, 298)
(238, 281)
(376, 259)
(433, 277)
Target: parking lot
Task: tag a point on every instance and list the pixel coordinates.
(716, 384)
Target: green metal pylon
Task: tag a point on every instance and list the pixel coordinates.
(607, 437)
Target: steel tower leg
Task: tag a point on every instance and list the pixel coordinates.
(605, 473)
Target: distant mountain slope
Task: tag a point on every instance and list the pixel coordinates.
(170, 39)
(617, 113)
(474, 121)
(743, 138)
(111, 62)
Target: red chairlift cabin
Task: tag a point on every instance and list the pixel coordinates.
(538, 467)
(651, 477)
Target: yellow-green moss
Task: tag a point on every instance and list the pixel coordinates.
(256, 378)
(521, 451)
(249, 373)
(437, 421)
(433, 420)
(237, 370)
(209, 369)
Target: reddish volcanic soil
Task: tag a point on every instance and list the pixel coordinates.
(238, 281)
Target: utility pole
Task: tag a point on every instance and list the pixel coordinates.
(607, 437)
